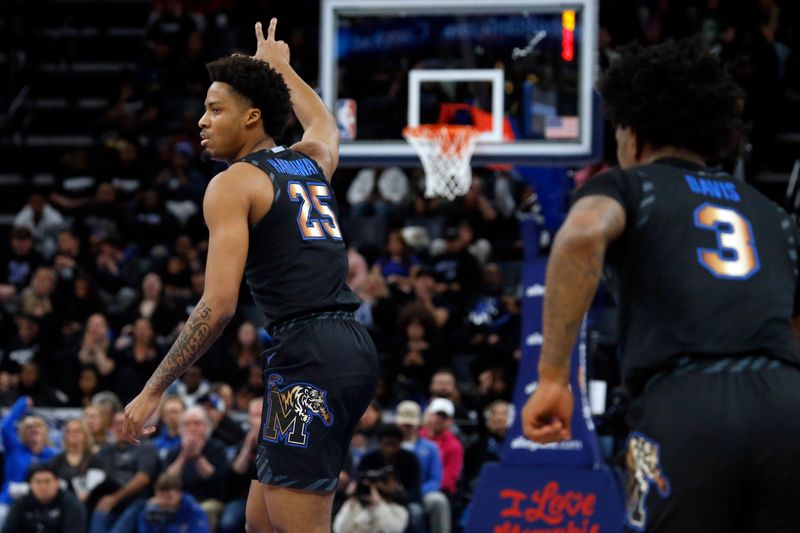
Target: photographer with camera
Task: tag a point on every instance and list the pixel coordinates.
(171, 510)
(371, 506)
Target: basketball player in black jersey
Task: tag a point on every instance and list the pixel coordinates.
(705, 271)
(272, 217)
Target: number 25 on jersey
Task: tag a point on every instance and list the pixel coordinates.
(313, 194)
(735, 256)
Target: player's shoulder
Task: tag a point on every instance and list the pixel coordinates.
(239, 182)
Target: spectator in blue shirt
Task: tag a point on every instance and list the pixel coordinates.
(171, 510)
(437, 507)
(171, 410)
(24, 445)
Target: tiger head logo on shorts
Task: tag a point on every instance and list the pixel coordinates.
(291, 409)
(644, 470)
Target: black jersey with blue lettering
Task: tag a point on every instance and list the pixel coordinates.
(707, 267)
(296, 262)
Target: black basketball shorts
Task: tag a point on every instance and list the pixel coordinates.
(715, 448)
(320, 375)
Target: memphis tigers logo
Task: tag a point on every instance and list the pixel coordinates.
(291, 409)
(644, 470)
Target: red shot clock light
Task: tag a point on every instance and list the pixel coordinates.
(568, 35)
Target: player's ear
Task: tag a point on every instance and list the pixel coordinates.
(252, 116)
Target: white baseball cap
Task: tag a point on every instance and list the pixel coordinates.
(441, 405)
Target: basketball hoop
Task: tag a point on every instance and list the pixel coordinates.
(445, 151)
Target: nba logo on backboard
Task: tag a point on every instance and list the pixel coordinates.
(346, 118)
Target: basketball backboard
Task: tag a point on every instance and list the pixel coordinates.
(524, 69)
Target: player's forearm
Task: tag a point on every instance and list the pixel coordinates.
(573, 273)
(306, 103)
(200, 331)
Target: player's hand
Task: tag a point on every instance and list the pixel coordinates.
(547, 414)
(137, 414)
(268, 49)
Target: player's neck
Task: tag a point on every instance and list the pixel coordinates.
(254, 145)
(653, 154)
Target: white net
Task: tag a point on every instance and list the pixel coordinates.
(445, 152)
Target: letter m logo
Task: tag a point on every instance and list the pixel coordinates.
(283, 422)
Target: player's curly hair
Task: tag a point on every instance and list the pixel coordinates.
(674, 94)
(259, 83)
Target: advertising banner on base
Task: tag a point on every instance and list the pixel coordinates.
(546, 500)
(562, 487)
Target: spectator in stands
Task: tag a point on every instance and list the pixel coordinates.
(172, 409)
(152, 305)
(88, 386)
(254, 388)
(371, 506)
(487, 445)
(47, 508)
(413, 360)
(240, 474)
(137, 361)
(177, 277)
(43, 220)
(443, 385)
(95, 351)
(103, 214)
(172, 510)
(109, 404)
(245, 352)
(201, 462)
(396, 263)
(492, 322)
(18, 264)
(23, 446)
(404, 463)
(408, 418)
(438, 421)
(427, 295)
(192, 386)
(77, 465)
(224, 429)
(180, 184)
(81, 302)
(40, 300)
(366, 434)
(23, 347)
(98, 425)
(76, 184)
(70, 259)
(32, 385)
(114, 268)
(456, 268)
(130, 474)
(151, 223)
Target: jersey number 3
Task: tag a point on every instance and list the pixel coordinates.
(310, 195)
(735, 256)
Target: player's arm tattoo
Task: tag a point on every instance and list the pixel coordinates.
(198, 334)
(573, 274)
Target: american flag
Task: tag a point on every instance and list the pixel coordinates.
(561, 128)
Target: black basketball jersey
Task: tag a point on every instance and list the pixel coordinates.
(296, 262)
(707, 267)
